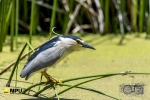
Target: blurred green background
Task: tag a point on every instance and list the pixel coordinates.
(34, 17)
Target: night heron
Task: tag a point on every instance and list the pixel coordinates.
(51, 53)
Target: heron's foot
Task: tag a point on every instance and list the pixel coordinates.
(52, 80)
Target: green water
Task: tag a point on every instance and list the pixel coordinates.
(109, 57)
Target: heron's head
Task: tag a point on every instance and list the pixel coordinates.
(75, 42)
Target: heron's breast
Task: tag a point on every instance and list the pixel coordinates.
(65, 54)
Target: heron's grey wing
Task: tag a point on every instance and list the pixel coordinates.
(48, 44)
(43, 60)
(42, 48)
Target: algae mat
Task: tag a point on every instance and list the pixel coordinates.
(109, 57)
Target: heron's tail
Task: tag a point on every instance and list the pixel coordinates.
(29, 75)
(22, 75)
(26, 72)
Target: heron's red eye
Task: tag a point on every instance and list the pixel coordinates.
(78, 41)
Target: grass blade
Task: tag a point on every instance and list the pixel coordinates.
(40, 82)
(89, 89)
(53, 16)
(148, 26)
(16, 64)
(4, 5)
(16, 22)
(106, 16)
(141, 15)
(78, 78)
(134, 15)
(32, 21)
(56, 93)
(12, 26)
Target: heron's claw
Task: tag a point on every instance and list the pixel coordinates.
(52, 80)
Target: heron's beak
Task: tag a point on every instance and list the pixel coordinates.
(87, 46)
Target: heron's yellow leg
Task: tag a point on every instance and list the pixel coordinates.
(46, 76)
(50, 78)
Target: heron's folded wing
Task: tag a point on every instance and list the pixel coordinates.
(44, 59)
